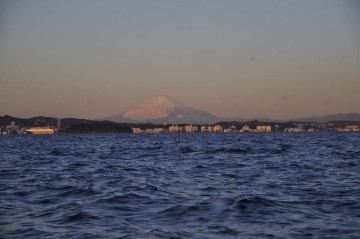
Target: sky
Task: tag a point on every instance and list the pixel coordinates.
(278, 59)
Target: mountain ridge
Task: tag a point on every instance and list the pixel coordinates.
(332, 117)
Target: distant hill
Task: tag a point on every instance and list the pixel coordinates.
(240, 119)
(163, 109)
(30, 122)
(69, 125)
(98, 127)
(336, 117)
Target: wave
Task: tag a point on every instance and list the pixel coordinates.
(78, 216)
(180, 186)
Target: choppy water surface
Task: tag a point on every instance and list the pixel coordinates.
(180, 186)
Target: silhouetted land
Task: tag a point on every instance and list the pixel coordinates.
(73, 125)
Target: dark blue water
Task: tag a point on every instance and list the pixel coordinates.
(304, 185)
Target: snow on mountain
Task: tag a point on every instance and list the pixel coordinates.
(156, 107)
(163, 109)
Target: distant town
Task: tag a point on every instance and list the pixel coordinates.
(48, 125)
(217, 128)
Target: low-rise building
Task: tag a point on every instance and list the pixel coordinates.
(245, 128)
(293, 130)
(348, 128)
(156, 130)
(215, 128)
(341, 129)
(231, 129)
(40, 130)
(191, 129)
(136, 130)
(176, 128)
(263, 128)
(353, 127)
(203, 129)
(151, 130)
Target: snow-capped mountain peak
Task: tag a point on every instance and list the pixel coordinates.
(161, 109)
(157, 107)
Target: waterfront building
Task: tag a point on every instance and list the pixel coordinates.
(353, 127)
(231, 129)
(293, 130)
(215, 128)
(158, 130)
(151, 130)
(176, 128)
(203, 129)
(191, 129)
(136, 130)
(154, 130)
(349, 128)
(342, 130)
(245, 128)
(40, 130)
(218, 128)
(263, 128)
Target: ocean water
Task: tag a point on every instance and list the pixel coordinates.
(201, 185)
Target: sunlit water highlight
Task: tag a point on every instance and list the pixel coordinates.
(180, 186)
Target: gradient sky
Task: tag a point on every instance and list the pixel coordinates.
(272, 58)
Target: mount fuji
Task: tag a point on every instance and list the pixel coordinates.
(163, 109)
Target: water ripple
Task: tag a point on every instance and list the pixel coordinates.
(180, 186)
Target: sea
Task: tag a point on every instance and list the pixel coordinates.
(196, 185)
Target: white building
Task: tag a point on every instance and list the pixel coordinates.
(349, 128)
(203, 129)
(293, 130)
(136, 130)
(263, 128)
(215, 128)
(231, 129)
(40, 130)
(176, 128)
(191, 129)
(245, 128)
